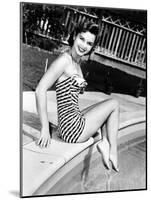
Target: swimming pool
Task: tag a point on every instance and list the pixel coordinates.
(91, 176)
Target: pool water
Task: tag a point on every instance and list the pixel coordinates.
(132, 175)
(95, 178)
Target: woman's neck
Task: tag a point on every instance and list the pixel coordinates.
(76, 58)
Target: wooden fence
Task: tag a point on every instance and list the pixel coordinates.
(123, 43)
(118, 39)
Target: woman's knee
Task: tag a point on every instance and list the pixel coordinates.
(113, 103)
(107, 106)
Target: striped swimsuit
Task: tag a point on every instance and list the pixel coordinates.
(71, 121)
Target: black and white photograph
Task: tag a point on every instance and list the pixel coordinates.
(83, 90)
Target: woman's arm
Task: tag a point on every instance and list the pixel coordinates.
(52, 74)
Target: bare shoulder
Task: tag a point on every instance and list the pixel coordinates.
(63, 59)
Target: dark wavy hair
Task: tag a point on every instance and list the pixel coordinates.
(82, 28)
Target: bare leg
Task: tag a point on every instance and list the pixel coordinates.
(101, 130)
(108, 111)
(112, 130)
(104, 147)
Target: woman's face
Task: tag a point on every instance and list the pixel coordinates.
(83, 43)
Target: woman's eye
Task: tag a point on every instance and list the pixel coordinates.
(90, 43)
(81, 38)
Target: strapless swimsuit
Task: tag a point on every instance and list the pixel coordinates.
(71, 121)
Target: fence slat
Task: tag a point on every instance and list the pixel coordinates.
(103, 36)
(100, 35)
(144, 57)
(114, 40)
(70, 23)
(76, 18)
(138, 49)
(67, 18)
(83, 19)
(79, 20)
(118, 41)
(134, 50)
(128, 46)
(130, 52)
(124, 46)
(108, 37)
(111, 39)
(142, 49)
(121, 43)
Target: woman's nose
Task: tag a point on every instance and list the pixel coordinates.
(84, 46)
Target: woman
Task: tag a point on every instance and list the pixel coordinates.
(75, 125)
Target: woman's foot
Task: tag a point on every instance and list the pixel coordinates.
(104, 148)
(113, 160)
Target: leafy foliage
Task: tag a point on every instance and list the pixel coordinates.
(43, 19)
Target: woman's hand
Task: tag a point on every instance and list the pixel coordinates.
(45, 139)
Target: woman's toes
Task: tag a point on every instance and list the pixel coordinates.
(114, 162)
(104, 149)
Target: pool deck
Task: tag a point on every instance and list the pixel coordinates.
(39, 165)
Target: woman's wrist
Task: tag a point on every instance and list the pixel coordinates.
(45, 126)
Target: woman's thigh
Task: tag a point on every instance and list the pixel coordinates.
(95, 116)
(85, 110)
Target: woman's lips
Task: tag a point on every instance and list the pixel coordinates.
(81, 49)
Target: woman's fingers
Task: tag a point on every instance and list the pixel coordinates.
(39, 141)
(43, 145)
(47, 143)
(43, 142)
